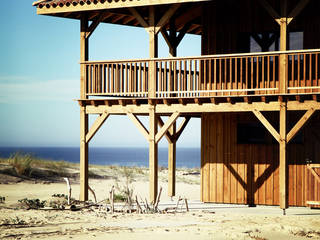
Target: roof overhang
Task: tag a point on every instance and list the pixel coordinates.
(48, 7)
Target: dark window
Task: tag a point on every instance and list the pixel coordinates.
(251, 133)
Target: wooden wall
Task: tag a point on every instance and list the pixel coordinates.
(227, 25)
(248, 173)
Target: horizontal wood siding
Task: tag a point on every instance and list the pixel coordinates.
(249, 173)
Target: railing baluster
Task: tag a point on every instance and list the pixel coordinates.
(175, 83)
(190, 77)
(197, 84)
(241, 73)
(310, 72)
(215, 75)
(236, 84)
(317, 78)
(268, 73)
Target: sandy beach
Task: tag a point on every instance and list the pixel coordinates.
(202, 221)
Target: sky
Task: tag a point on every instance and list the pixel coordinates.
(40, 72)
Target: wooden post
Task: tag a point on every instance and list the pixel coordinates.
(283, 166)
(172, 146)
(283, 171)
(283, 62)
(84, 52)
(172, 162)
(153, 154)
(173, 39)
(153, 53)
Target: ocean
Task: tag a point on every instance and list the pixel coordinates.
(186, 157)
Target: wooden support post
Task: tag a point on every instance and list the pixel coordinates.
(283, 81)
(153, 53)
(172, 163)
(283, 166)
(84, 52)
(153, 155)
(283, 57)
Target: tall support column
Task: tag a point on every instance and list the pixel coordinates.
(153, 154)
(83, 116)
(283, 57)
(283, 47)
(283, 166)
(153, 53)
(172, 149)
(172, 146)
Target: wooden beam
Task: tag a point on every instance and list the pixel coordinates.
(139, 125)
(96, 22)
(267, 125)
(96, 125)
(314, 173)
(188, 16)
(139, 18)
(299, 124)
(166, 38)
(183, 32)
(165, 18)
(172, 152)
(153, 53)
(84, 53)
(181, 128)
(167, 125)
(153, 155)
(283, 165)
(273, 13)
(167, 134)
(296, 11)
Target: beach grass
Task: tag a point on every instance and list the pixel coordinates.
(25, 164)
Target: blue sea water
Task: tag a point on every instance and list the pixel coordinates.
(186, 157)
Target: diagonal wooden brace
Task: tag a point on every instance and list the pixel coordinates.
(96, 125)
(266, 123)
(139, 125)
(300, 124)
(167, 125)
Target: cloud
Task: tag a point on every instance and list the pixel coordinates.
(31, 91)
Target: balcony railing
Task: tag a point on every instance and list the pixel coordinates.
(214, 75)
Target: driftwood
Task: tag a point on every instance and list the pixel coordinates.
(111, 199)
(69, 190)
(179, 199)
(93, 193)
(187, 206)
(157, 200)
(139, 209)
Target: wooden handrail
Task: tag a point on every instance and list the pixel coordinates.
(202, 57)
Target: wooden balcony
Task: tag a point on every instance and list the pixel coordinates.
(215, 75)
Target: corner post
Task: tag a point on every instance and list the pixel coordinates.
(153, 53)
(283, 165)
(153, 154)
(84, 53)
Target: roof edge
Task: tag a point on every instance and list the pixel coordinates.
(45, 7)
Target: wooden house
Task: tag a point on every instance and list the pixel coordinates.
(260, 135)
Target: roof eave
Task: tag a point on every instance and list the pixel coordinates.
(107, 5)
